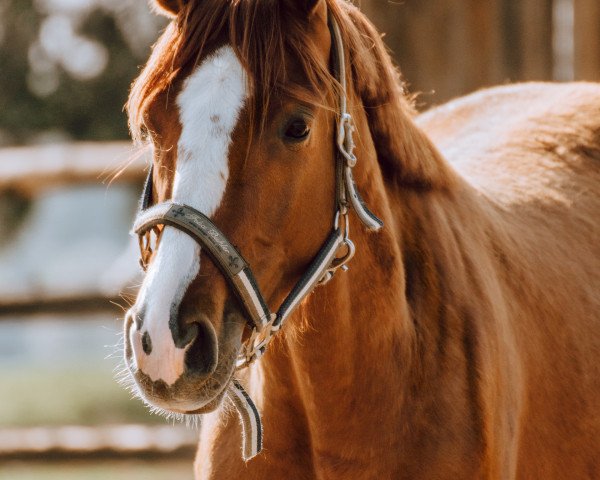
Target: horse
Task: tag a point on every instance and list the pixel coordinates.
(463, 341)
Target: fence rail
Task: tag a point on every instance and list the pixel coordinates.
(80, 305)
(29, 169)
(114, 442)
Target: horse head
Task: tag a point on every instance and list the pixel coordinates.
(240, 104)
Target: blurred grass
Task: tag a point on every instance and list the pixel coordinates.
(98, 471)
(78, 395)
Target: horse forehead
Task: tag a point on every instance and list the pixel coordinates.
(213, 93)
(209, 104)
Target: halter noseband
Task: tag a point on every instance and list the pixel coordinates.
(334, 254)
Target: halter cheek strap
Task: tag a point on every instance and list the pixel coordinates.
(346, 191)
(335, 252)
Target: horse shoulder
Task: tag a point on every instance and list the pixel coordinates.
(533, 150)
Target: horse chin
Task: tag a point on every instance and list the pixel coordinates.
(211, 406)
(186, 396)
(193, 394)
(208, 402)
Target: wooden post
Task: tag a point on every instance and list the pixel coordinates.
(443, 48)
(454, 47)
(527, 39)
(536, 39)
(587, 39)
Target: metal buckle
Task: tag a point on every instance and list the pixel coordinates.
(342, 261)
(339, 262)
(255, 347)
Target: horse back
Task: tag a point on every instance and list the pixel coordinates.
(521, 141)
(532, 154)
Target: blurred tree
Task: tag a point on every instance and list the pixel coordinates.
(66, 67)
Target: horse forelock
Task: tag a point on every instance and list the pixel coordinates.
(265, 36)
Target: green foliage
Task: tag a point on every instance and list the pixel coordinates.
(44, 85)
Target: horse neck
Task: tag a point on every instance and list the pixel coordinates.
(339, 354)
(365, 349)
(352, 353)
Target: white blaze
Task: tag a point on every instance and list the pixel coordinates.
(209, 105)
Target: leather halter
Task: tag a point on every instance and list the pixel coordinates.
(335, 252)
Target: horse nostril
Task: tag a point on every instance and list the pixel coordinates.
(183, 334)
(146, 343)
(135, 318)
(202, 356)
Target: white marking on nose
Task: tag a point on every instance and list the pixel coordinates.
(209, 105)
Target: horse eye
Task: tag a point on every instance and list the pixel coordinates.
(297, 130)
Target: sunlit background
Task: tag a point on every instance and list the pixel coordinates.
(67, 263)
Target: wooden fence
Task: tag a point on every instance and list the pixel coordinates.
(447, 48)
(27, 172)
(587, 39)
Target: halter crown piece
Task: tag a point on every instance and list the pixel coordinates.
(335, 253)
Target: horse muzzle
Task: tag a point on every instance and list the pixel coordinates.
(181, 367)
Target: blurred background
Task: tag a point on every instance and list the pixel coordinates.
(67, 264)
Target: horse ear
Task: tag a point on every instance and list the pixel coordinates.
(310, 8)
(170, 8)
(318, 7)
(314, 13)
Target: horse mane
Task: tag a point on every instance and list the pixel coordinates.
(267, 29)
(405, 154)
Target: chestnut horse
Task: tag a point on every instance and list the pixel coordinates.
(464, 341)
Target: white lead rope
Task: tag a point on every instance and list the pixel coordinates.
(250, 419)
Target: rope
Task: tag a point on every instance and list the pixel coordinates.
(249, 418)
